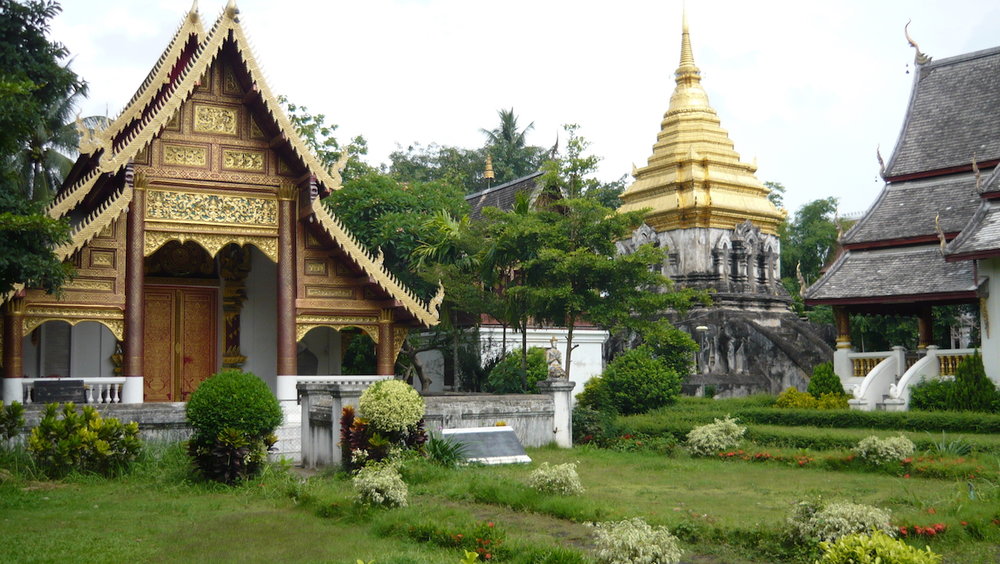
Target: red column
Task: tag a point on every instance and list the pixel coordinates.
(134, 282)
(385, 361)
(925, 327)
(287, 358)
(13, 337)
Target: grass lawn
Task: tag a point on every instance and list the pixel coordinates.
(724, 511)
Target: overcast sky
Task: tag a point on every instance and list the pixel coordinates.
(808, 88)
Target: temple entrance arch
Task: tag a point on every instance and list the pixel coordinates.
(61, 349)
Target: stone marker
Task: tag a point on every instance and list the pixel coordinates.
(59, 391)
(489, 445)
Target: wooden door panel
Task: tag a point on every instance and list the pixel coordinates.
(197, 337)
(158, 337)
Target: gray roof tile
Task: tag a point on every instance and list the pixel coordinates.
(952, 112)
(981, 235)
(501, 196)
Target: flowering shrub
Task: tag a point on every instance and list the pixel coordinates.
(633, 541)
(380, 485)
(793, 398)
(875, 548)
(391, 406)
(880, 451)
(829, 522)
(560, 479)
(485, 541)
(710, 439)
(928, 531)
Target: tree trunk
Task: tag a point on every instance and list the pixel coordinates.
(569, 346)
(524, 355)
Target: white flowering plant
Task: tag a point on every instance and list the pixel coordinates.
(882, 451)
(380, 484)
(830, 521)
(707, 440)
(560, 479)
(633, 541)
(391, 406)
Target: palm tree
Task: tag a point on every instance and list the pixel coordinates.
(47, 155)
(512, 156)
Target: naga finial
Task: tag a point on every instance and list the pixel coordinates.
(380, 258)
(920, 58)
(881, 163)
(435, 302)
(338, 169)
(801, 279)
(940, 232)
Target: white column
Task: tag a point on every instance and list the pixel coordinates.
(13, 390)
(562, 417)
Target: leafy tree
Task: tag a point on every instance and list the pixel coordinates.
(807, 241)
(507, 144)
(435, 163)
(318, 136)
(777, 194)
(32, 80)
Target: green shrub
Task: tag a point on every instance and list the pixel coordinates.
(379, 484)
(505, 377)
(11, 421)
(878, 451)
(874, 548)
(445, 452)
(635, 382)
(84, 442)
(674, 347)
(234, 415)
(560, 479)
(817, 520)
(707, 440)
(825, 381)
(832, 401)
(633, 541)
(793, 398)
(391, 406)
(595, 396)
(930, 395)
(972, 389)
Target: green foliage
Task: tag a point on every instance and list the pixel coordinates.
(506, 377)
(234, 416)
(507, 145)
(674, 347)
(67, 440)
(825, 381)
(634, 382)
(486, 540)
(815, 519)
(972, 389)
(560, 479)
(949, 447)
(453, 166)
(930, 395)
(722, 434)
(633, 541)
(806, 241)
(318, 136)
(391, 406)
(874, 548)
(445, 452)
(11, 421)
(794, 399)
(832, 401)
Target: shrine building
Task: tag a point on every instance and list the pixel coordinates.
(200, 242)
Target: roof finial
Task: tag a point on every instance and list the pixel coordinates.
(232, 12)
(920, 58)
(687, 55)
(881, 163)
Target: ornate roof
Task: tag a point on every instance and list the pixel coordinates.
(981, 238)
(907, 210)
(951, 115)
(108, 153)
(695, 177)
(894, 275)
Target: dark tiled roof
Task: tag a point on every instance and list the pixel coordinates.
(981, 236)
(907, 209)
(502, 196)
(895, 274)
(952, 112)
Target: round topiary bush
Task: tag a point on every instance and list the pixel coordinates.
(824, 381)
(794, 399)
(505, 378)
(636, 382)
(234, 415)
(391, 406)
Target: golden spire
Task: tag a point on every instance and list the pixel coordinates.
(488, 173)
(695, 177)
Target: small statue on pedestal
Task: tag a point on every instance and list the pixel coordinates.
(554, 360)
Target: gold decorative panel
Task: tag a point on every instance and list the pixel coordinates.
(108, 232)
(328, 292)
(229, 83)
(215, 119)
(198, 207)
(243, 160)
(142, 157)
(102, 258)
(184, 155)
(100, 285)
(283, 168)
(175, 122)
(112, 318)
(306, 323)
(255, 131)
(316, 267)
(211, 242)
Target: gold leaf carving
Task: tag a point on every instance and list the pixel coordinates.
(210, 208)
(302, 328)
(184, 155)
(316, 267)
(255, 131)
(243, 160)
(102, 259)
(211, 242)
(229, 84)
(112, 318)
(328, 292)
(214, 119)
(85, 284)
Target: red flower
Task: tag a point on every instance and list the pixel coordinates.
(964, 523)
(929, 531)
(906, 475)
(931, 510)
(917, 529)
(940, 527)
(903, 531)
(490, 524)
(907, 460)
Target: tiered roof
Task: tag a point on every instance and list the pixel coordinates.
(895, 254)
(105, 155)
(695, 177)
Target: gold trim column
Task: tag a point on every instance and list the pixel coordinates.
(843, 322)
(135, 278)
(925, 328)
(287, 358)
(385, 362)
(13, 340)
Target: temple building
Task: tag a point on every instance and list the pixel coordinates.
(930, 237)
(199, 242)
(720, 231)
